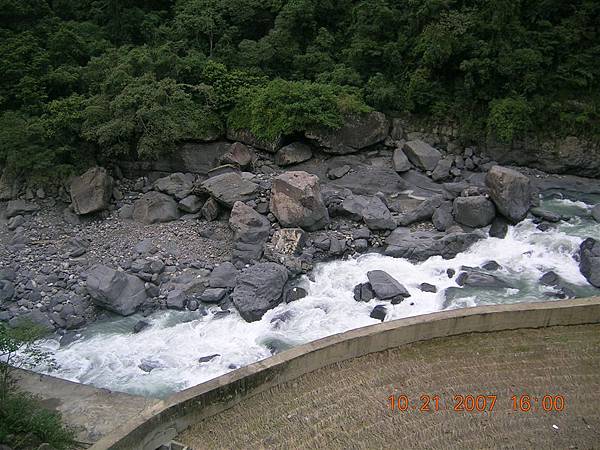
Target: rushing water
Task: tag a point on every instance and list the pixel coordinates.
(108, 354)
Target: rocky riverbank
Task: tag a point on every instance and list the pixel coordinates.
(245, 219)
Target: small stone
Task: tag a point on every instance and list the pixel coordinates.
(379, 312)
(426, 287)
(208, 358)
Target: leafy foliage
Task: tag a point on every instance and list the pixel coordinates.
(94, 78)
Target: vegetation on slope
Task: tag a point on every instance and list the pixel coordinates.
(86, 78)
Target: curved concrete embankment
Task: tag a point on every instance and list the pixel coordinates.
(169, 417)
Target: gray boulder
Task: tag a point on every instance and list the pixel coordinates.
(250, 233)
(499, 228)
(386, 287)
(589, 262)
(369, 180)
(238, 154)
(363, 292)
(420, 245)
(379, 312)
(422, 155)
(294, 153)
(210, 210)
(400, 161)
(114, 290)
(258, 289)
(296, 201)
(19, 207)
(475, 212)
(422, 212)
(155, 207)
(510, 191)
(546, 215)
(213, 295)
(178, 185)
(223, 276)
(476, 278)
(442, 217)
(358, 132)
(596, 212)
(371, 210)
(91, 192)
(248, 138)
(442, 169)
(190, 204)
(176, 299)
(229, 188)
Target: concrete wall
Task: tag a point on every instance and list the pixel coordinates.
(169, 417)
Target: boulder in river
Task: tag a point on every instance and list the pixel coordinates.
(476, 278)
(422, 155)
(589, 261)
(386, 287)
(510, 191)
(296, 201)
(258, 289)
(363, 292)
(499, 228)
(91, 192)
(379, 312)
(155, 207)
(474, 212)
(114, 290)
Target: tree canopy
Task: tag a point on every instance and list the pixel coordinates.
(82, 79)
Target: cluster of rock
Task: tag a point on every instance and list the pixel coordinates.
(368, 186)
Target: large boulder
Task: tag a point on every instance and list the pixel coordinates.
(422, 155)
(247, 137)
(179, 185)
(223, 276)
(358, 132)
(239, 155)
(296, 201)
(19, 207)
(420, 245)
(371, 210)
(474, 212)
(479, 279)
(258, 289)
(114, 290)
(294, 153)
(386, 287)
(229, 188)
(589, 261)
(91, 191)
(369, 180)
(250, 232)
(400, 161)
(155, 207)
(510, 191)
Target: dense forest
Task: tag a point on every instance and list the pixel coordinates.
(82, 79)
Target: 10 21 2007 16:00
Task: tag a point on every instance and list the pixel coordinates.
(475, 403)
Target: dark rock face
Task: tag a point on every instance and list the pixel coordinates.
(499, 228)
(251, 231)
(16, 208)
(223, 276)
(386, 287)
(115, 291)
(363, 292)
(358, 132)
(474, 212)
(229, 188)
(296, 201)
(422, 155)
(91, 191)
(510, 191)
(294, 153)
(155, 207)
(420, 245)
(589, 262)
(371, 210)
(379, 312)
(178, 185)
(248, 138)
(258, 289)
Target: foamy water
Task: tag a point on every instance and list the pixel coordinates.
(108, 354)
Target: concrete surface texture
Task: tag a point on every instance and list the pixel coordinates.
(347, 405)
(90, 412)
(195, 406)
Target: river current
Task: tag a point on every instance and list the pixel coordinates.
(108, 354)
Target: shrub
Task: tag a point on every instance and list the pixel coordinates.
(283, 107)
(509, 118)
